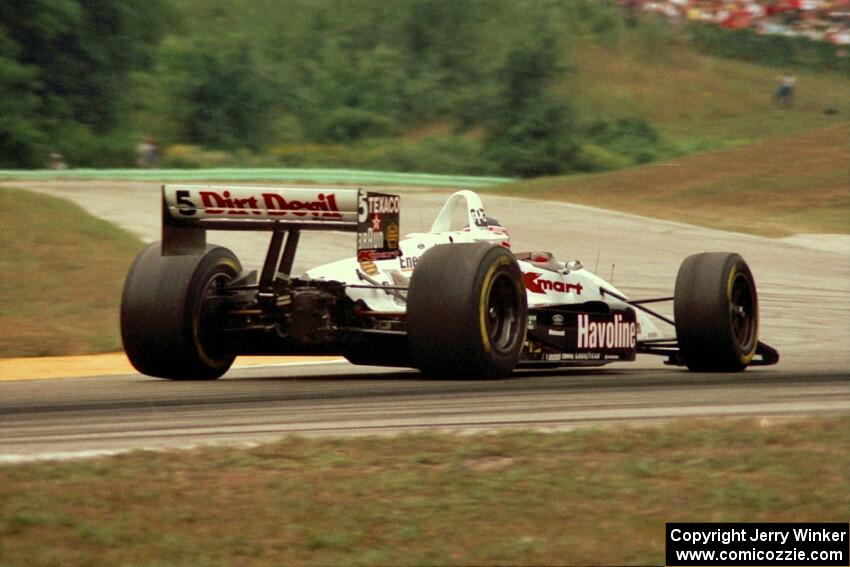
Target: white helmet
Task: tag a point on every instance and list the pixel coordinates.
(495, 233)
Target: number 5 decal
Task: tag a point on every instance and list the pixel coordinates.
(185, 206)
(362, 207)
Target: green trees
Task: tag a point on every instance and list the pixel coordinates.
(531, 132)
(21, 133)
(777, 50)
(270, 81)
(537, 142)
(220, 99)
(64, 72)
(363, 74)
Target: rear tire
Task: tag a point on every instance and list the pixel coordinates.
(716, 312)
(467, 312)
(165, 321)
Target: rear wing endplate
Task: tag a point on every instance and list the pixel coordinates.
(188, 211)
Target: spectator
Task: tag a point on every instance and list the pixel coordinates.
(785, 89)
(147, 154)
(819, 20)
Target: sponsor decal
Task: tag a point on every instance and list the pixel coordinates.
(377, 226)
(535, 284)
(392, 235)
(370, 239)
(558, 319)
(557, 332)
(369, 267)
(606, 334)
(375, 255)
(581, 356)
(219, 203)
(532, 322)
(277, 205)
(554, 356)
(407, 263)
(383, 204)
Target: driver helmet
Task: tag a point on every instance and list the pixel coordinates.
(496, 233)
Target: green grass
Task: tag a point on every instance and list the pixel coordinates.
(63, 273)
(794, 184)
(582, 497)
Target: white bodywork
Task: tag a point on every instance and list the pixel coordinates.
(556, 284)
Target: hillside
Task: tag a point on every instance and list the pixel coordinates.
(695, 100)
(780, 186)
(651, 74)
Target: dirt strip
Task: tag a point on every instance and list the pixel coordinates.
(113, 364)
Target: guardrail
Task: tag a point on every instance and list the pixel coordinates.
(345, 176)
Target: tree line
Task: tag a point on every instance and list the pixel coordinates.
(89, 78)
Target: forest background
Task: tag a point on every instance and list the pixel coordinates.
(519, 88)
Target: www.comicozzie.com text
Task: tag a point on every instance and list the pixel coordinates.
(757, 534)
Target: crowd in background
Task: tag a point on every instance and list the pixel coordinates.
(819, 20)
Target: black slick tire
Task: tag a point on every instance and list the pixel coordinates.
(165, 321)
(716, 312)
(467, 312)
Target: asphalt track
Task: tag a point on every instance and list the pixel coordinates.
(804, 295)
(91, 416)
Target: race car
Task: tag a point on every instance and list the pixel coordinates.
(452, 302)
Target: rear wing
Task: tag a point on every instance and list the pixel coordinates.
(188, 211)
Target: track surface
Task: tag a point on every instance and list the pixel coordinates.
(58, 417)
(805, 313)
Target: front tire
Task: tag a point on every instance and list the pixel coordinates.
(716, 312)
(166, 320)
(467, 311)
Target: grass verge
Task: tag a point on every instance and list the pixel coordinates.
(581, 497)
(793, 184)
(697, 101)
(63, 273)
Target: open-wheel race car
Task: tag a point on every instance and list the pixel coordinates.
(451, 302)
